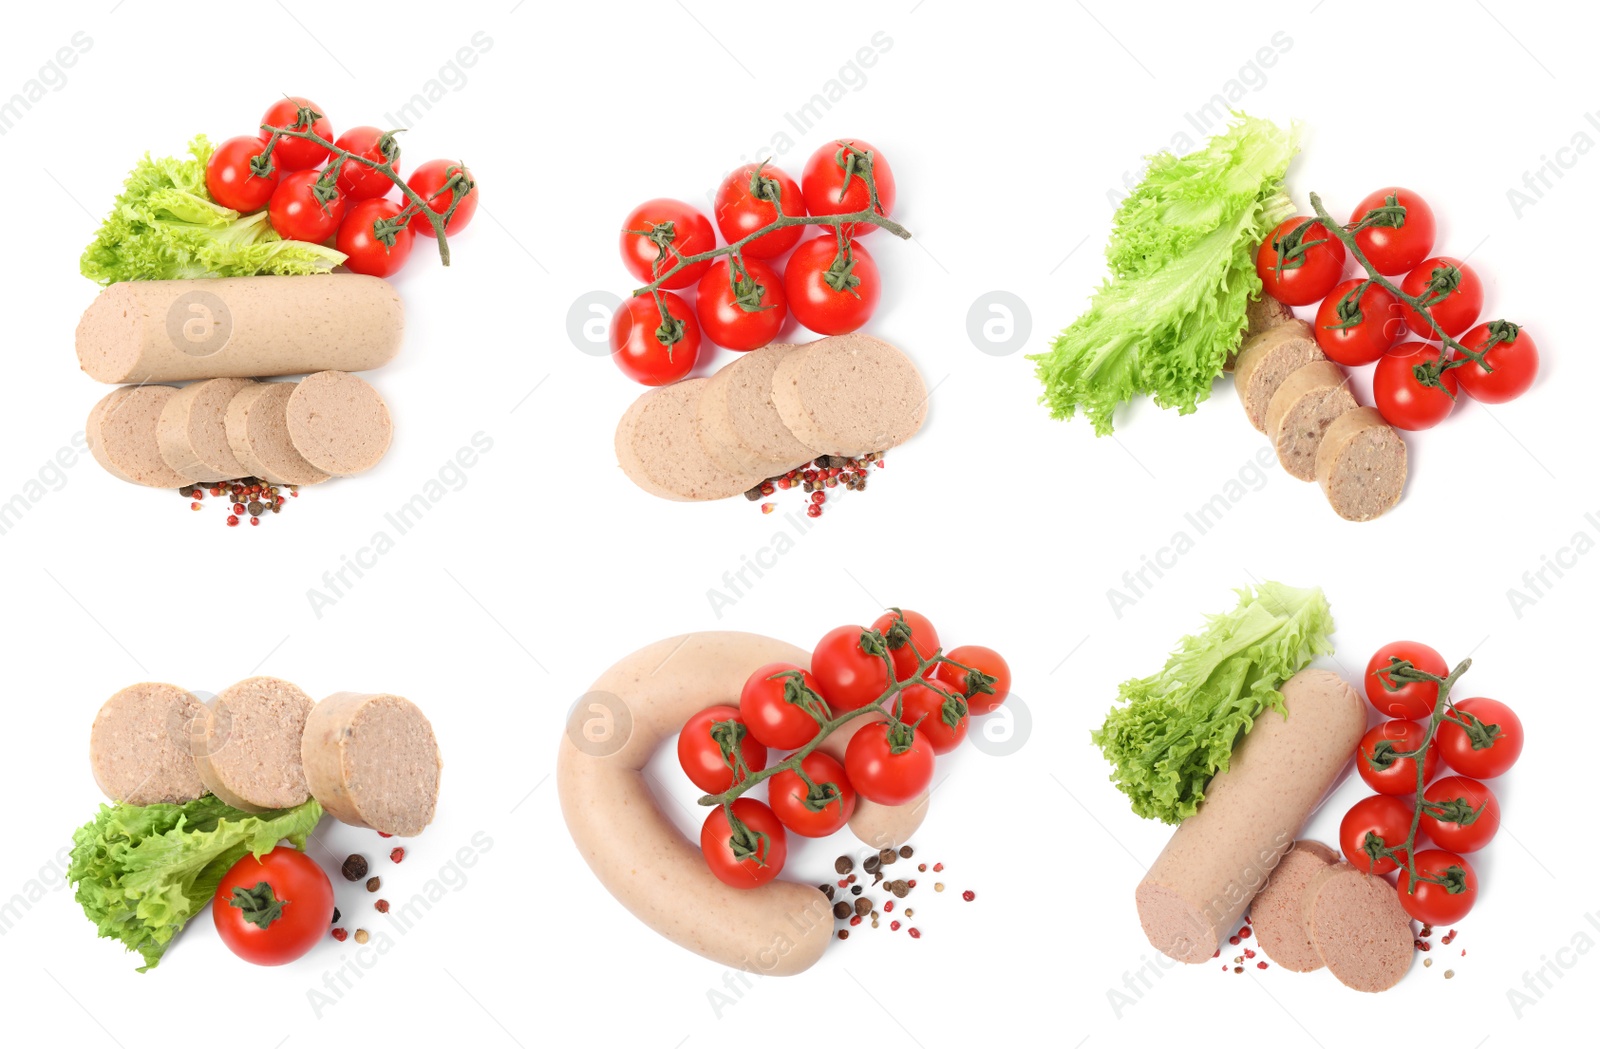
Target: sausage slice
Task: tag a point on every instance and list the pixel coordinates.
(139, 745)
(1299, 414)
(192, 431)
(258, 433)
(657, 448)
(850, 394)
(1359, 928)
(338, 423)
(737, 422)
(372, 761)
(248, 752)
(1265, 360)
(1361, 465)
(121, 432)
(1277, 914)
(1261, 314)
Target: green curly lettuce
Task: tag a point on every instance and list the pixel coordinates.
(1182, 258)
(142, 871)
(1178, 728)
(164, 226)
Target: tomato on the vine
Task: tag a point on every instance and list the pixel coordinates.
(1460, 814)
(663, 231)
(296, 154)
(941, 717)
(1382, 771)
(273, 910)
(1413, 700)
(652, 351)
(1299, 266)
(1490, 747)
(777, 703)
(1355, 329)
(230, 180)
(1401, 398)
(1442, 902)
(848, 675)
(1372, 825)
(1513, 360)
(745, 204)
(745, 313)
(362, 235)
(908, 644)
(833, 182)
(831, 291)
(297, 214)
(994, 680)
(808, 814)
(1403, 235)
(437, 182)
(889, 764)
(1453, 294)
(701, 754)
(751, 858)
(356, 180)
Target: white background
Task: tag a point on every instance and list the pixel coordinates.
(1007, 128)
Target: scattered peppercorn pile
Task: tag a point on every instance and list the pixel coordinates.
(816, 478)
(249, 498)
(354, 869)
(862, 909)
(1423, 945)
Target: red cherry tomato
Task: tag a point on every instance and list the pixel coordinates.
(908, 644)
(1412, 700)
(991, 692)
(886, 766)
(1460, 814)
(230, 181)
(1442, 902)
(756, 857)
(1453, 292)
(637, 345)
(829, 293)
(941, 717)
(746, 317)
(848, 676)
(297, 214)
(745, 204)
(1357, 329)
(273, 910)
(1514, 361)
(833, 182)
(296, 154)
(356, 180)
(701, 756)
(1372, 824)
(439, 182)
(1490, 748)
(1384, 773)
(1401, 399)
(807, 815)
(1405, 235)
(362, 233)
(678, 229)
(1299, 266)
(776, 702)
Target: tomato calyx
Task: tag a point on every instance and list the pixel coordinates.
(952, 710)
(1457, 810)
(819, 795)
(1349, 308)
(850, 158)
(1453, 879)
(728, 736)
(749, 294)
(765, 187)
(1481, 735)
(1292, 247)
(745, 843)
(840, 275)
(259, 905)
(802, 695)
(1391, 214)
(1377, 850)
(1383, 756)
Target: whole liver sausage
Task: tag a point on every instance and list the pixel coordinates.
(192, 432)
(1361, 465)
(338, 423)
(239, 327)
(122, 435)
(1359, 928)
(257, 424)
(1265, 360)
(139, 747)
(1219, 858)
(248, 753)
(1277, 913)
(1299, 414)
(850, 394)
(372, 761)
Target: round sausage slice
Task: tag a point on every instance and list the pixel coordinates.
(1299, 414)
(1359, 928)
(1361, 465)
(258, 434)
(248, 752)
(1277, 914)
(849, 395)
(139, 745)
(1265, 360)
(192, 431)
(1261, 314)
(121, 432)
(739, 425)
(659, 451)
(372, 761)
(339, 423)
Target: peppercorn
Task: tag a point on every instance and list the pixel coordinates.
(340, 935)
(397, 854)
(255, 508)
(841, 910)
(335, 916)
(969, 895)
(361, 936)
(888, 905)
(871, 864)
(894, 926)
(855, 890)
(915, 934)
(373, 883)
(382, 906)
(887, 856)
(827, 890)
(844, 934)
(899, 888)
(905, 852)
(843, 865)
(855, 919)
(863, 905)
(754, 494)
(354, 867)
(938, 886)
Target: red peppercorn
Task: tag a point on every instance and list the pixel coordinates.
(255, 521)
(1261, 965)
(938, 867)
(915, 934)
(767, 488)
(894, 926)
(382, 906)
(340, 935)
(819, 497)
(232, 521)
(1234, 940)
(855, 919)
(397, 854)
(767, 508)
(1245, 932)
(384, 834)
(194, 506)
(1248, 953)
(783, 482)
(969, 896)
(844, 883)
(813, 510)
(912, 883)
(888, 905)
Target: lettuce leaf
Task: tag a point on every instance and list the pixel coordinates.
(142, 871)
(1179, 727)
(1182, 258)
(165, 226)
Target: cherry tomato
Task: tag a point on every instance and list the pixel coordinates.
(677, 229)
(273, 910)
(1404, 237)
(1443, 902)
(848, 675)
(821, 815)
(700, 754)
(744, 204)
(775, 702)
(889, 764)
(829, 294)
(1358, 329)
(1460, 814)
(995, 671)
(297, 214)
(833, 182)
(362, 236)
(1490, 748)
(755, 859)
(1413, 700)
(1401, 399)
(1299, 266)
(637, 335)
(1514, 360)
(296, 154)
(933, 709)
(1395, 776)
(1373, 823)
(356, 180)
(230, 181)
(1452, 290)
(746, 317)
(908, 644)
(438, 182)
